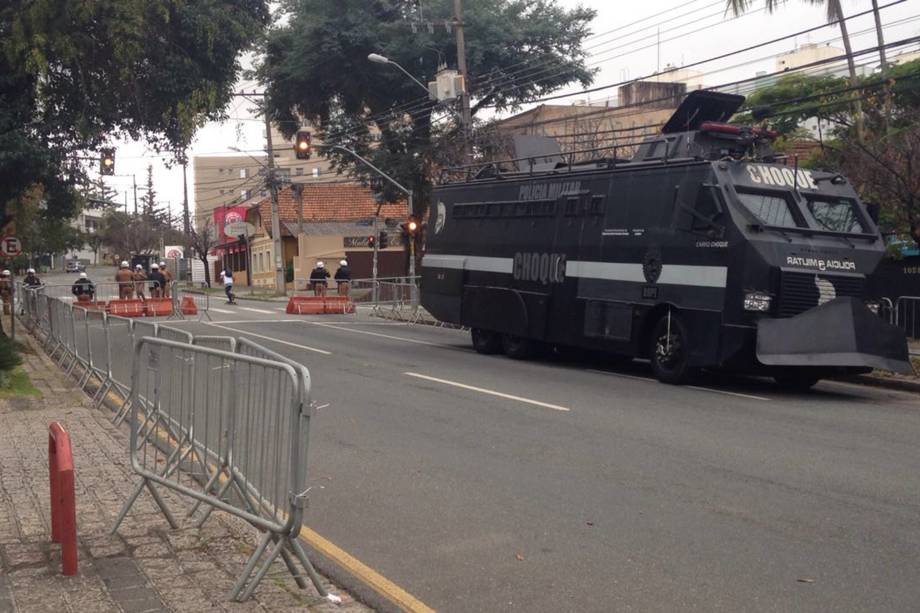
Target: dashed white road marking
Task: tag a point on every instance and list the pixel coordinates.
(481, 390)
(224, 311)
(263, 311)
(269, 338)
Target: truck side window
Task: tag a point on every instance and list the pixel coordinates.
(707, 211)
(596, 206)
(571, 206)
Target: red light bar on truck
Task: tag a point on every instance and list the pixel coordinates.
(728, 128)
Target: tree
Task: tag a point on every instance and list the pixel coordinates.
(136, 234)
(516, 50)
(149, 199)
(201, 241)
(42, 234)
(884, 165)
(834, 15)
(73, 74)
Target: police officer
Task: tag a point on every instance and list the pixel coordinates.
(318, 278)
(83, 289)
(343, 278)
(167, 287)
(125, 280)
(157, 281)
(140, 282)
(32, 281)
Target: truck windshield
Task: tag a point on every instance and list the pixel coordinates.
(769, 209)
(836, 214)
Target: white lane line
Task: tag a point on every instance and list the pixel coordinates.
(692, 387)
(726, 393)
(369, 333)
(224, 311)
(236, 321)
(269, 338)
(546, 405)
(263, 311)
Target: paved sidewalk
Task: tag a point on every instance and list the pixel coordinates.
(147, 566)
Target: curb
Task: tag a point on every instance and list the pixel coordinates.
(881, 382)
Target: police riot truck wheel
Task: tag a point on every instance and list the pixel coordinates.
(669, 350)
(796, 380)
(486, 342)
(517, 348)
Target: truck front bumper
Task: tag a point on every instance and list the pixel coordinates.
(840, 333)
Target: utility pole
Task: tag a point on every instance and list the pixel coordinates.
(134, 181)
(186, 225)
(465, 118)
(276, 219)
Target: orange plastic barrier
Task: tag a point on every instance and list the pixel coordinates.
(63, 499)
(188, 306)
(316, 305)
(126, 308)
(338, 304)
(159, 307)
(305, 305)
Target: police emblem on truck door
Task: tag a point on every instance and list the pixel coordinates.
(651, 265)
(826, 290)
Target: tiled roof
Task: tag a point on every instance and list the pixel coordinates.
(334, 202)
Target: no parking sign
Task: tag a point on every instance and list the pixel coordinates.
(10, 246)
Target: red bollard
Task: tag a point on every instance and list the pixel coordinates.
(63, 500)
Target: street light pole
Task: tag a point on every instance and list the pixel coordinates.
(277, 244)
(409, 197)
(465, 115)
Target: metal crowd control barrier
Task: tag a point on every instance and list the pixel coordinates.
(907, 315)
(250, 436)
(224, 343)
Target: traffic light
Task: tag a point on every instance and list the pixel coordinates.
(412, 225)
(384, 240)
(302, 145)
(107, 162)
(371, 241)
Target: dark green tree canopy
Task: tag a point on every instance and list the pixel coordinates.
(316, 67)
(75, 73)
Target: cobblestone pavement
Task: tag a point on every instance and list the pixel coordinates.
(147, 566)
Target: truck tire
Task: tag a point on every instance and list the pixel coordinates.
(669, 351)
(518, 348)
(486, 342)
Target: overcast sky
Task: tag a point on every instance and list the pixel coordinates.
(624, 45)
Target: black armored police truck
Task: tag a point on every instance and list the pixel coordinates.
(705, 250)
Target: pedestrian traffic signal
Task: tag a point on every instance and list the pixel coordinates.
(371, 241)
(107, 162)
(302, 145)
(384, 240)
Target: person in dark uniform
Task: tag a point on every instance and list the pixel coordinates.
(83, 289)
(32, 281)
(157, 281)
(343, 278)
(318, 278)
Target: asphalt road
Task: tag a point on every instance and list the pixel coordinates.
(483, 484)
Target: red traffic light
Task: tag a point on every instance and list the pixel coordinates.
(302, 145)
(371, 240)
(412, 225)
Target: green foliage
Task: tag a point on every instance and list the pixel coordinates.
(316, 67)
(884, 164)
(9, 354)
(75, 73)
(128, 234)
(42, 233)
